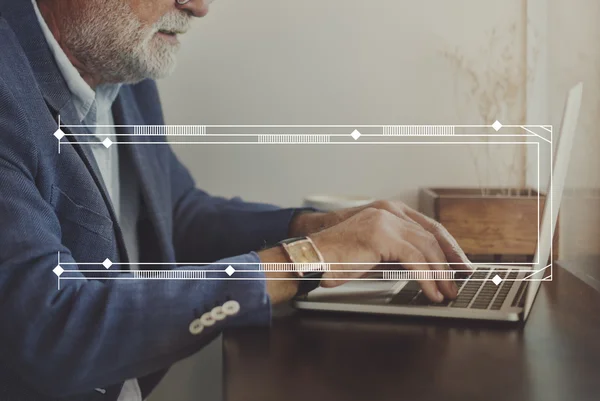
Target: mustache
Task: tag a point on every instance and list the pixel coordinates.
(175, 21)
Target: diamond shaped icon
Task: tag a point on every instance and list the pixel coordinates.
(58, 270)
(107, 263)
(355, 134)
(59, 134)
(107, 142)
(230, 270)
(497, 125)
(497, 280)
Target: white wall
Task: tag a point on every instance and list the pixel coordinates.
(347, 62)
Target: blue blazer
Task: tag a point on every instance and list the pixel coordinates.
(95, 333)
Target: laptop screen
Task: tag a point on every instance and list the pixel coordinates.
(555, 191)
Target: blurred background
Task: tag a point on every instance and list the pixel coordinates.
(384, 62)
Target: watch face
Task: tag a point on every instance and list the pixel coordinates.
(304, 252)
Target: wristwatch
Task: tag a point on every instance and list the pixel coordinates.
(304, 252)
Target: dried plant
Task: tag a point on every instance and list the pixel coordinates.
(493, 82)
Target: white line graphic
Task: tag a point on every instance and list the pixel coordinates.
(394, 135)
(282, 138)
(419, 130)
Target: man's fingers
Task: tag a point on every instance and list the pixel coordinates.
(429, 246)
(411, 258)
(449, 245)
(429, 287)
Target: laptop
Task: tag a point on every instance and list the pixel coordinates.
(480, 298)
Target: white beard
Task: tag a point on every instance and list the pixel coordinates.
(111, 42)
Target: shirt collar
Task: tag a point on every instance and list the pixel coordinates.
(83, 96)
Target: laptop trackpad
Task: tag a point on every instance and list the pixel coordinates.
(358, 292)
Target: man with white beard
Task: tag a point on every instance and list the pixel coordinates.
(98, 210)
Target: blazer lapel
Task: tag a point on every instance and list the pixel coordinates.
(81, 139)
(50, 80)
(57, 94)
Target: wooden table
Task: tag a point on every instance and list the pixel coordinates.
(310, 356)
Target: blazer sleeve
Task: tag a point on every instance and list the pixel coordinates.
(210, 228)
(92, 333)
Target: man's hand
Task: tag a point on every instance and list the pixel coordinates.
(310, 223)
(373, 236)
(441, 247)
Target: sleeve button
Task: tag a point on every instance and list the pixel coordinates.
(231, 308)
(196, 327)
(207, 320)
(217, 313)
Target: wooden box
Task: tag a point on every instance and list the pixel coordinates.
(491, 227)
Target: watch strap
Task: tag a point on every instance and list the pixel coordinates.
(309, 282)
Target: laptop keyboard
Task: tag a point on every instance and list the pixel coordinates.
(473, 293)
